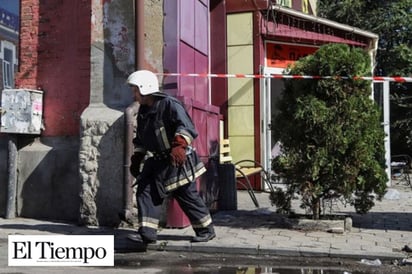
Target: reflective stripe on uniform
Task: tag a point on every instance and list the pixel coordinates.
(204, 222)
(186, 135)
(149, 222)
(163, 135)
(140, 149)
(184, 181)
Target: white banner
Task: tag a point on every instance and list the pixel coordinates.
(61, 250)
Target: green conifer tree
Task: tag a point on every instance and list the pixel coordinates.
(330, 133)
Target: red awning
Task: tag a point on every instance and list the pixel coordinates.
(295, 34)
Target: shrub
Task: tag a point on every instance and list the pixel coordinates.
(330, 133)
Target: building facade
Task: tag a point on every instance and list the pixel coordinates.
(79, 53)
(9, 49)
(263, 38)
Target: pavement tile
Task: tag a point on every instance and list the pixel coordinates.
(381, 233)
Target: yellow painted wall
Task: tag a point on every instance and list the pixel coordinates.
(305, 6)
(240, 91)
(314, 5)
(240, 29)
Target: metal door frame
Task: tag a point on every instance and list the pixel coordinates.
(386, 125)
(266, 117)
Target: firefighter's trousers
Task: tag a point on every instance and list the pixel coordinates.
(149, 206)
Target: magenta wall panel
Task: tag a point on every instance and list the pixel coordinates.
(192, 49)
(186, 33)
(201, 27)
(190, 52)
(187, 65)
(206, 119)
(187, 21)
(201, 83)
(170, 53)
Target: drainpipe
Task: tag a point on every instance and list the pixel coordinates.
(139, 34)
(130, 114)
(12, 180)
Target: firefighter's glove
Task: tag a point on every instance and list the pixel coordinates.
(178, 152)
(136, 160)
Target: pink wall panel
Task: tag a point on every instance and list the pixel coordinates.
(193, 57)
(187, 21)
(206, 119)
(193, 49)
(200, 120)
(187, 65)
(201, 27)
(201, 83)
(213, 134)
(170, 51)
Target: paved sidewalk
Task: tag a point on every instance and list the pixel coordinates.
(382, 233)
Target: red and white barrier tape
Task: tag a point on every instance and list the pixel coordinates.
(284, 76)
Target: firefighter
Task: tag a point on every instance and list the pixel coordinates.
(164, 162)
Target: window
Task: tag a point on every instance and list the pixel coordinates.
(7, 66)
(285, 3)
(305, 6)
(7, 74)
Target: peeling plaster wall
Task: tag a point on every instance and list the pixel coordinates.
(154, 35)
(118, 26)
(115, 38)
(119, 49)
(113, 52)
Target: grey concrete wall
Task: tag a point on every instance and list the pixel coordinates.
(71, 179)
(48, 179)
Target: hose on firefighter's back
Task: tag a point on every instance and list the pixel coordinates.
(189, 151)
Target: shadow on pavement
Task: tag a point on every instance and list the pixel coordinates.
(57, 228)
(246, 219)
(383, 221)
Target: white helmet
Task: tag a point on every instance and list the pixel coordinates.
(145, 80)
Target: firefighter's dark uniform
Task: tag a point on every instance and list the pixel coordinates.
(157, 126)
